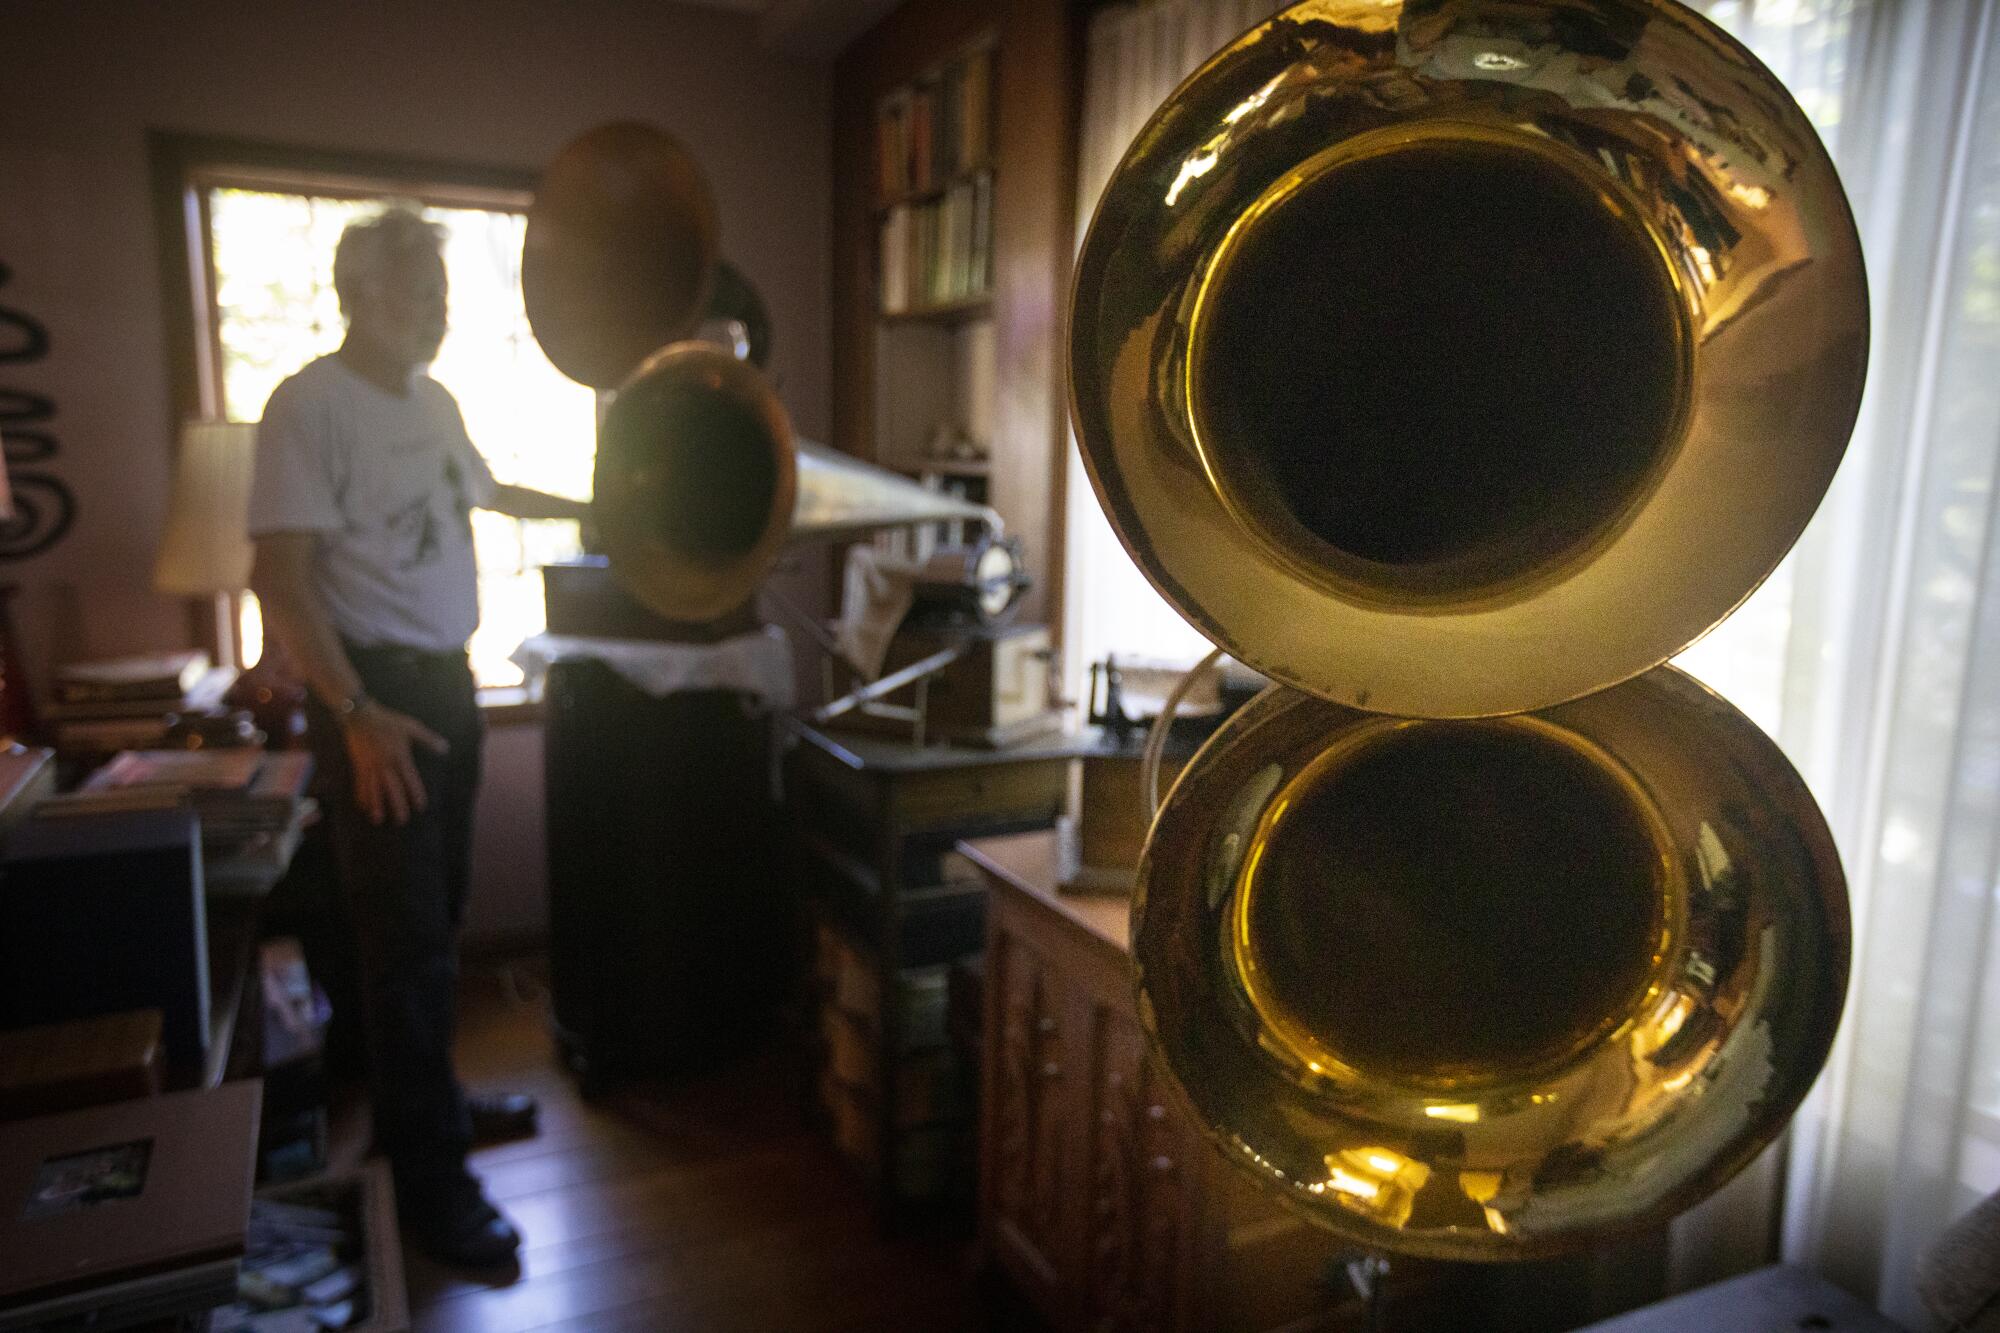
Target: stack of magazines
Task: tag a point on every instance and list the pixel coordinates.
(252, 804)
(237, 792)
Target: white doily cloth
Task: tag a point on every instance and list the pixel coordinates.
(876, 592)
(758, 664)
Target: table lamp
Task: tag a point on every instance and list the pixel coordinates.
(205, 550)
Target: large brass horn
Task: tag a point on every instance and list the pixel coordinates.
(1457, 362)
(699, 481)
(1458, 358)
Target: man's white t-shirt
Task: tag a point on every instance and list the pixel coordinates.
(388, 481)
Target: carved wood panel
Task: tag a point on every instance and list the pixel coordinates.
(1028, 1123)
(1138, 1226)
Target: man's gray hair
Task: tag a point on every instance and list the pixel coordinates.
(370, 245)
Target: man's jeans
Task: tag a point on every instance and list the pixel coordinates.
(405, 887)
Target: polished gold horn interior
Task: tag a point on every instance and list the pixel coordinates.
(1456, 364)
(695, 481)
(700, 484)
(1464, 358)
(1492, 988)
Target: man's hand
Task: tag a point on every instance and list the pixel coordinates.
(385, 771)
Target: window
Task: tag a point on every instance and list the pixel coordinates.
(264, 242)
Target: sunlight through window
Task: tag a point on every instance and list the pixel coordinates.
(275, 309)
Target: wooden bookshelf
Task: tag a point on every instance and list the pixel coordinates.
(921, 366)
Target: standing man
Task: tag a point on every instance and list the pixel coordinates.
(361, 514)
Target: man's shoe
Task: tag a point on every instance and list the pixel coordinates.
(498, 1117)
(455, 1225)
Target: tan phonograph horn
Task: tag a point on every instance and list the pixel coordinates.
(699, 481)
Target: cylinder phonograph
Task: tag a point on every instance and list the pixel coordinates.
(1455, 363)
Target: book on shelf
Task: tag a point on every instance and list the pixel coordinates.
(934, 132)
(892, 156)
(975, 132)
(895, 257)
(982, 234)
(938, 253)
(923, 112)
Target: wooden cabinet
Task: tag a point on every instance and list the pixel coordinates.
(1111, 1212)
(1105, 1207)
(877, 820)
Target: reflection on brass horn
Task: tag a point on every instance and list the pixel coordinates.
(1458, 363)
(1486, 989)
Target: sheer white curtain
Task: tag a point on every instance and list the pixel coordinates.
(1891, 700)
(1873, 655)
(1137, 54)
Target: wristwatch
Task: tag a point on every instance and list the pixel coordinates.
(345, 708)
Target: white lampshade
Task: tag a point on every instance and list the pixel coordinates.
(206, 548)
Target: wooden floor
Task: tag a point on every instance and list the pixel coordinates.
(704, 1205)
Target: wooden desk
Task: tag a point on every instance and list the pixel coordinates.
(876, 820)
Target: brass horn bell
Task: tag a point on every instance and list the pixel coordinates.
(1457, 362)
(699, 481)
(1459, 358)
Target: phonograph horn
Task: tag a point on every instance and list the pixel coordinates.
(700, 484)
(620, 251)
(699, 481)
(1457, 362)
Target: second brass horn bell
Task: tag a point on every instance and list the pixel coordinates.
(1458, 362)
(699, 479)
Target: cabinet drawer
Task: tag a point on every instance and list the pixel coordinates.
(990, 794)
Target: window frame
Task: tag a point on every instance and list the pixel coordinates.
(184, 168)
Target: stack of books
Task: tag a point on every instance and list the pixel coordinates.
(939, 253)
(940, 129)
(238, 793)
(935, 187)
(251, 804)
(130, 702)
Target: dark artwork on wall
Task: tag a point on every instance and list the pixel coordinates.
(43, 506)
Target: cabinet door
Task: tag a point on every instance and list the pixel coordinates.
(1139, 1229)
(1025, 1126)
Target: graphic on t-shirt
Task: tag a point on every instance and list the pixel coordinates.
(419, 526)
(461, 497)
(415, 528)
